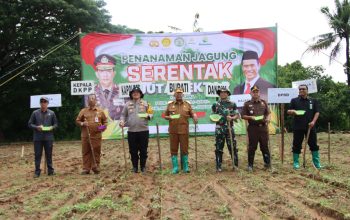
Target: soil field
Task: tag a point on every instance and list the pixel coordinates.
(116, 193)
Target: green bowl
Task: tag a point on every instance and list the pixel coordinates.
(177, 116)
(260, 117)
(300, 112)
(142, 115)
(215, 117)
(46, 128)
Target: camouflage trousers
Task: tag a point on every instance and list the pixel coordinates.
(221, 136)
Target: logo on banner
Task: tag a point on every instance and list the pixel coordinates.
(191, 41)
(166, 42)
(205, 41)
(179, 42)
(154, 43)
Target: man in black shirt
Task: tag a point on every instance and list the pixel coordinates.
(305, 111)
(43, 121)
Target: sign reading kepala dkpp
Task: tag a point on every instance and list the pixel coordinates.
(200, 63)
(82, 87)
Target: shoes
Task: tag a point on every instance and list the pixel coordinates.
(218, 169)
(135, 170)
(250, 169)
(85, 172)
(96, 171)
(36, 175)
(267, 166)
(51, 174)
(143, 169)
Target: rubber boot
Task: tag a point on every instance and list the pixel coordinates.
(296, 161)
(235, 157)
(316, 159)
(175, 164)
(186, 169)
(218, 160)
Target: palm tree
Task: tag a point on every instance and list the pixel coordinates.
(339, 21)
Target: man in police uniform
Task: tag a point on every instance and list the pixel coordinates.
(302, 122)
(257, 113)
(136, 114)
(107, 92)
(93, 122)
(228, 111)
(179, 128)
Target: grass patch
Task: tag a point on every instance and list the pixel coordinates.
(45, 201)
(224, 211)
(124, 204)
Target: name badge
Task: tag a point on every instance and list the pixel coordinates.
(96, 119)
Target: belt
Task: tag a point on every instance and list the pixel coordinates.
(222, 124)
(257, 125)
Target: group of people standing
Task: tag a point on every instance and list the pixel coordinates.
(137, 112)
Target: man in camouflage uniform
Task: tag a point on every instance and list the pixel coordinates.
(179, 129)
(228, 111)
(107, 92)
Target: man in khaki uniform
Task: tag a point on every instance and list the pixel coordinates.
(178, 112)
(93, 122)
(257, 113)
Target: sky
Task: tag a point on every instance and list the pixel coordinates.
(298, 21)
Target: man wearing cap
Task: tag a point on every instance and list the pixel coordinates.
(257, 113)
(228, 112)
(178, 112)
(251, 68)
(107, 92)
(306, 112)
(135, 115)
(43, 121)
(93, 122)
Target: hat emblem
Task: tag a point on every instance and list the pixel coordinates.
(104, 59)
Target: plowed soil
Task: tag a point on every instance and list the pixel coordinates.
(116, 193)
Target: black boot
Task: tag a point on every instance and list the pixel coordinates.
(267, 160)
(235, 157)
(218, 160)
(135, 164)
(251, 155)
(143, 164)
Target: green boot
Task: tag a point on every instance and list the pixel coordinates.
(316, 159)
(296, 161)
(185, 164)
(175, 164)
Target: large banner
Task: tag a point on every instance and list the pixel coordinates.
(200, 63)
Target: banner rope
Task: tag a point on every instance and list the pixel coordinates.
(39, 58)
